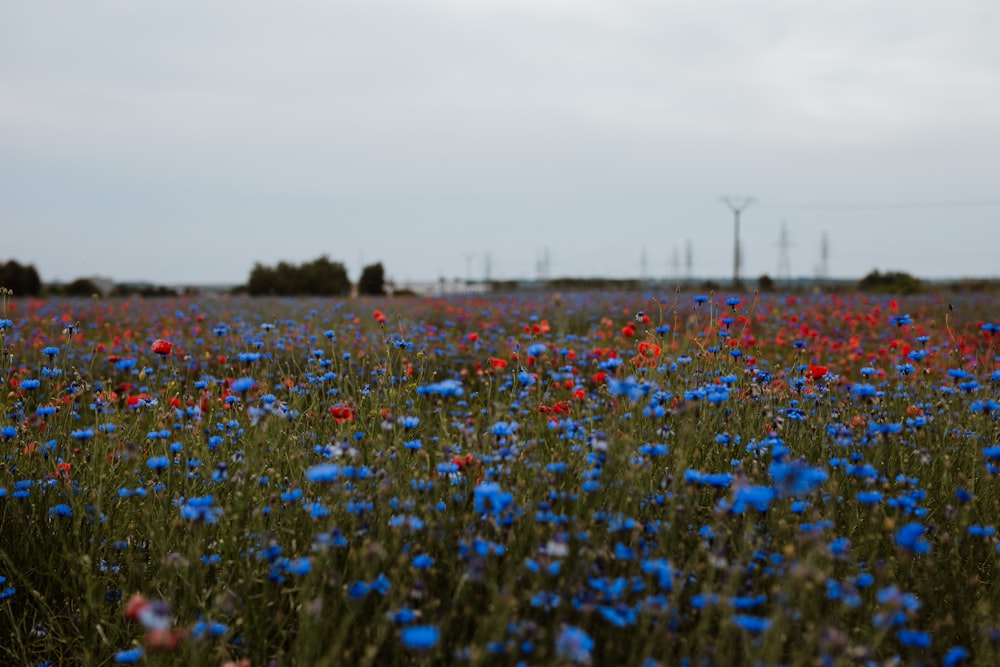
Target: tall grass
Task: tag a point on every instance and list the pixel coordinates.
(624, 489)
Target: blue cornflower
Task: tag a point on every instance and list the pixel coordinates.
(757, 497)
(129, 657)
(489, 498)
(61, 510)
(915, 638)
(358, 590)
(323, 473)
(158, 463)
(504, 428)
(443, 388)
(423, 561)
(420, 637)
(299, 566)
(863, 389)
(243, 384)
(201, 509)
(910, 538)
(955, 655)
(8, 431)
(840, 546)
(754, 624)
(574, 645)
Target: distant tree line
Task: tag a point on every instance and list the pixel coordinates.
(320, 277)
(893, 282)
(22, 279)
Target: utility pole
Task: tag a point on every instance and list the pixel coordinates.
(468, 267)
(784, 244)
(688, 263)
(737, 205)
(824, 258)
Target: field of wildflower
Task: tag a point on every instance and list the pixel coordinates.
(577, 479)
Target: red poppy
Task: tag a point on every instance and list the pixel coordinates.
(649, 350)
(498, 363)
(162, 347)
(342, 413)
(818, 372)
(379, 316)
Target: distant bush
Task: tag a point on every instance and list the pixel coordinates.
(79, 287)
(765, 283)
(372, 280)
(320, 277)
(894, 282)
(22, 279)
(142, 289)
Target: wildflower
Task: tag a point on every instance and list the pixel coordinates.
(443, 388)
(129, 657)
(323, 473)
(342, 413)
(420, 637)
(490, 498)
(423, 561)
(299, 566)
(574, 645)
(757, 497)
(955, 655)
(863, 389)
(242, 385)
(818, 372)
(753, 624)
(914, 638)
(158, 463)
(201, 509)
(909, 537)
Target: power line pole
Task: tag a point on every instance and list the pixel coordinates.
(784, 244)
(688, 263)
(468, 267)
(737, 205)
(824, 258)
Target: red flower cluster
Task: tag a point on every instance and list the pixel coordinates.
(342, 413)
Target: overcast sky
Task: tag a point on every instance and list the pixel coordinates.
(180, 141)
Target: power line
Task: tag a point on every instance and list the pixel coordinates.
(874, 206)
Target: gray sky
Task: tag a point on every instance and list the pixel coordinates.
(181, 141)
